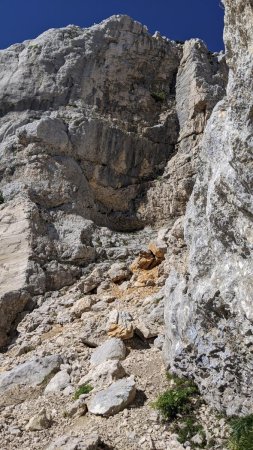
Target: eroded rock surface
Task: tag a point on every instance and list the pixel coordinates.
(209, 310)
(89, 119)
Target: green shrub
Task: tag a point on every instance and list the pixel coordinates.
(187, 428)
(176, 400)
(83, 389)
(1, 198)
(158, 96)
(242, 433)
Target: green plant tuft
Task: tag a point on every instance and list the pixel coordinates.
(176, 400)
(1, 198)
(158, 96)
(186, 428)
(83, 389)
(242, 433)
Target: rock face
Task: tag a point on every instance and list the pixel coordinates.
(14, 262)
(209, 307)
(200, 84)
(88, 127)
(110, 128)
(89, 119)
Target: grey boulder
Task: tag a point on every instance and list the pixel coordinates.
(30, 373)
(113, 399)
(105, 373)
(59, 382)
(65, 442)
(112, 349)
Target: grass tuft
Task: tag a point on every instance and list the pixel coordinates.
(241, 437)
(187, 428)
(84, 389)
(176, 400)
(158, 96)
(178, 404)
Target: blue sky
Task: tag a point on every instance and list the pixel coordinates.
(177, 19)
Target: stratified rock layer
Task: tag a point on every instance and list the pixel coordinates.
(209, 313)
(89, 119)
(92, 115)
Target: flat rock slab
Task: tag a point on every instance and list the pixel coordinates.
(14, 261)
(113, 399)
(111, 349)
(90, 442)
(30, 373)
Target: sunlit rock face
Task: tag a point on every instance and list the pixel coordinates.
(87, 117)
(98, 127)
(209, 311)
(91, 111)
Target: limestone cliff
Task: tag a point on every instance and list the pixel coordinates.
(98, 127)
(209, 306)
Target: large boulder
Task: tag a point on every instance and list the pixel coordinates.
(114, 399)
(69, 442)
(20, 381)
(103, 374)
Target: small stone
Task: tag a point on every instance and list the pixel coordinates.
(120, 325)
(69, 390)
(109, 298)
(39, 422)
(159, 341)
(65, 442)
(99, 306)
(15, 431)
(59, 382)
(82, 305)
(76, 409)
(197, 439)
(118, 272)
(146, 330)
(92, 281)
(144, 262)
(158, 248)
(103, 287)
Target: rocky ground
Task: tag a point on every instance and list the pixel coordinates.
(105, 331)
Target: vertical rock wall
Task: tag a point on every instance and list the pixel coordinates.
(209, 312)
